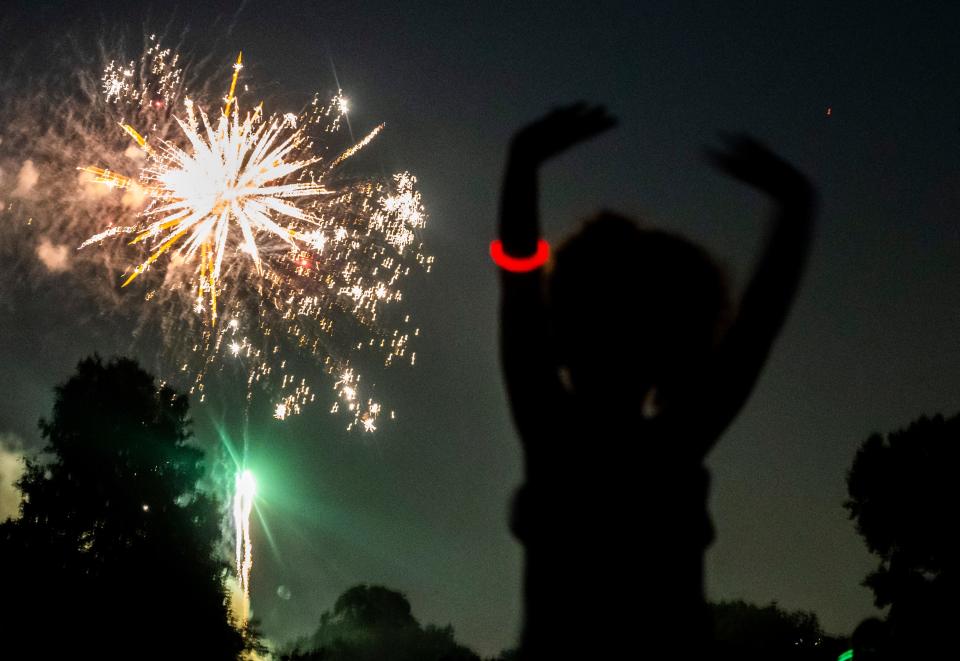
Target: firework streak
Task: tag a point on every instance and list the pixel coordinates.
(245, 490)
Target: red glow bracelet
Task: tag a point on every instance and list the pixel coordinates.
(519, 264)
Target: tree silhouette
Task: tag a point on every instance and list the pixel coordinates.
(904, 499)
(372, 623)
(746, 631)
(114, 555)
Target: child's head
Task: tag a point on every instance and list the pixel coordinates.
(633, 308)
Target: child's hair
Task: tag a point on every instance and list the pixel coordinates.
(646, 301)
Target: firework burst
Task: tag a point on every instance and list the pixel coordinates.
(232, 176)
(246, 238)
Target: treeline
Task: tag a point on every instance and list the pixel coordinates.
(115, 553)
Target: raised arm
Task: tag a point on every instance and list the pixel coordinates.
(529, 368)
(530, 148)
(773, 286)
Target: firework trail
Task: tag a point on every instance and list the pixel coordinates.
(245, 490)
(234, 236)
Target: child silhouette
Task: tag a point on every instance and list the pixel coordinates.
(623, 366)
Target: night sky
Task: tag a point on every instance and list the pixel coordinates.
(421, 505)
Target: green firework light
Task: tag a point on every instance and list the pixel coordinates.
(846, 656)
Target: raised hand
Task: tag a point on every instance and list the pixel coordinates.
(748, 160)
(558, 131)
